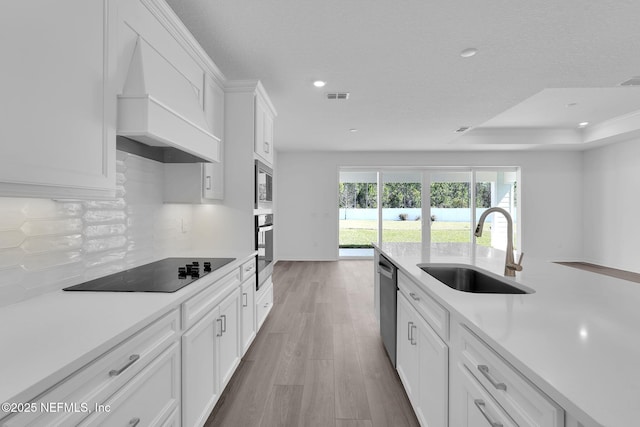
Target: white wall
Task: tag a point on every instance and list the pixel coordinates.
(612, 205)
(307, 186)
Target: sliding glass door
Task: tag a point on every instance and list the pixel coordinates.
(386, 206)
(401, 207)
(357, 213)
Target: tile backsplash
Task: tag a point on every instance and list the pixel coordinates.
(50, 244)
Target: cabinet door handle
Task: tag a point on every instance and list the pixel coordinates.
(482, 408)
(267, 147)
(245, 299)
(224, 323)
(248, 268)
(416, 298)
(266, 304)
(484, 369)
(413, 342)
(134, 422)
(220, 329)
(208, 184)
(132, 359)
(409, 325)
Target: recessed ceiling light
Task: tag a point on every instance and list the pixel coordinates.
(319, 83)
(469, 52)
(583, 124)
(572, 104)
(353, 130)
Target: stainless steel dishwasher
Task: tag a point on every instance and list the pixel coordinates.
(388, 275)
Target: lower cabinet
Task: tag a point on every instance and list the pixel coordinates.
(149, 399)
(210, 354)
(422, 364)
(264, 302)
(474, 405)
(486, 387)
(248, 310)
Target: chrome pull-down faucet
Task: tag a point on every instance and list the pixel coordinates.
(510, 266)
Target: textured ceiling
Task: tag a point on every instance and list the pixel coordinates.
(399, 59)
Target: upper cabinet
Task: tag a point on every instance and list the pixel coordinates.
(57, 134)
(263, 144)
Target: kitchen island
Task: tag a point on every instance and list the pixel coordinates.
(574, 338)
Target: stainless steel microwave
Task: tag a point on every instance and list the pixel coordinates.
(264, 186)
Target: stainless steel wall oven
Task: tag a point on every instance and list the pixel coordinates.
(264, 186)
(264, 246)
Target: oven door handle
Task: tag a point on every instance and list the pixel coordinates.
(264, 228)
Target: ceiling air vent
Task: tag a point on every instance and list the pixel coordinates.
(462, 129)
(338, 95)
(633, 81)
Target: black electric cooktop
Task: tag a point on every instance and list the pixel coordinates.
(167, 275)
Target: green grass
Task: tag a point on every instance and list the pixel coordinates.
(360, 233)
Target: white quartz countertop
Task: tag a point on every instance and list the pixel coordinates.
(46, 338)
(576, 337)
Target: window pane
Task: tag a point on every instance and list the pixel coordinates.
(450, 207)
(402, 207)
(358, 212)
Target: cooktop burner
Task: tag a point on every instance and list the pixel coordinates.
(167, 275)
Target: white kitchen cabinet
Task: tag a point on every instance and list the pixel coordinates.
(210, 355)
(229, 339)
(264, 118)
(195, 183)
(264, 302)
(116, 369)
(248, 305)
(149, 399)
(474, 406)
(524, 403)
(422, 364)
(58, 99)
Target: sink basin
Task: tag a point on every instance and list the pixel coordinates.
(466, 278)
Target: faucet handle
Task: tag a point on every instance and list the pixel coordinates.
(517, 266)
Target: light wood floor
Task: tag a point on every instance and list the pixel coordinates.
(318, 359)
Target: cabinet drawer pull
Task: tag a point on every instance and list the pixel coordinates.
(132, 359)
(266, 147)
(220, 329)
(248, 268)
(482, 408)
(208, 179)
(224, 323)
(266, 304)
(245, 299)
(134, 422)
(416, 298)
(484, 369)
(413, 342)
(409, 331)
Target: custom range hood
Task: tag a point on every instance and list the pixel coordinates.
(163, 111)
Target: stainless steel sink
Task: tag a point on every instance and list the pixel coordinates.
(467, 278)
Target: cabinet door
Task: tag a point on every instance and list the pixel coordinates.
(407, 348)
(263, 131)
(433, 376)
(199, 374)
(58, 99)
(248, 313)
(229, 337)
